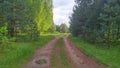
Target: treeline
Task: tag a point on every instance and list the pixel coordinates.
(96, 21)
(24, 18)
(63, 28)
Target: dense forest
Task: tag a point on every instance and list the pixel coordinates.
(96, 21)
(25, 19)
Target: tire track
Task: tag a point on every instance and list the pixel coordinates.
(78, 58)
(41, 57)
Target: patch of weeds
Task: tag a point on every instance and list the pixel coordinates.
(59, 58)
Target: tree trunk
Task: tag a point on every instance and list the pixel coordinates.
(109, 38)
(118, 32)
(11, 28)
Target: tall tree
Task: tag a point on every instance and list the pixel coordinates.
(28, 17)
(64, 28)
(97, 19)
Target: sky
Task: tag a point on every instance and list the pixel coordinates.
(62, 10)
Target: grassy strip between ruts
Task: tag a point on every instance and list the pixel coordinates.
(59, 58)
(107, 56)
(16, 54)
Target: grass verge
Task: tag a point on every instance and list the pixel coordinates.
(111, 56)
(16, 54)
(59, 58)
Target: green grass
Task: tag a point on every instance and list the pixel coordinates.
(55, 34)
(59, 58)
(17, 54)
(110, 57)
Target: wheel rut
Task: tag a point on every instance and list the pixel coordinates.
(42, 56)
(78, 58)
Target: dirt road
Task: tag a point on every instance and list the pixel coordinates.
(78, 58)
(41, 58)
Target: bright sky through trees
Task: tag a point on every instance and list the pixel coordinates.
(62, 10)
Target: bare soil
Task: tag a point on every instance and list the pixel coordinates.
(78, 58)
(41, 54)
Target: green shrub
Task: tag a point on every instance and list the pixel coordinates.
(3, 35)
